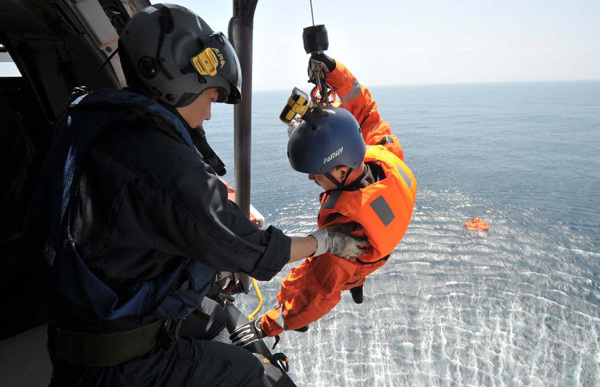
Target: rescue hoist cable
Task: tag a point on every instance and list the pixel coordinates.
(316, 42)
(78, 91)
(260, 300)
(89, 82)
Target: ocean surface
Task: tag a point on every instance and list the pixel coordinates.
(516, 306)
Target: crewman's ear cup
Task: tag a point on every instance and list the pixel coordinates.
(147, 67)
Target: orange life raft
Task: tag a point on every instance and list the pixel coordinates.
(477, 225)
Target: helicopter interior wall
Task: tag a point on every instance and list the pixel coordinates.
(24, 136)
(53, 54)
(24, 133)
(17, 15)
(54, 51)
(24, 359)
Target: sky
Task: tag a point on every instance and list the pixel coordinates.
(399, 42)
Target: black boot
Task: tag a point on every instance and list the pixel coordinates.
(357, 294)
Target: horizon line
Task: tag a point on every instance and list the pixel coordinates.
(464, 83)
(421, 84)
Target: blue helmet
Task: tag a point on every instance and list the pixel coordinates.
(331, 137)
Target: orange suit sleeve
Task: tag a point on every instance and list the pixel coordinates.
(357, 100)
(309, 292)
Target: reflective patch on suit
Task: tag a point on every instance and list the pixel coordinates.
(331, 200)
(383, 210)
(405, 176)
(355, 92)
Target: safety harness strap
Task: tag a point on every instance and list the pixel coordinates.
(105, 349)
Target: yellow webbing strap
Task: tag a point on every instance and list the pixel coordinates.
(260, 300)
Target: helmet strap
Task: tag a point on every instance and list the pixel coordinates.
(347, 176)
(333, 180)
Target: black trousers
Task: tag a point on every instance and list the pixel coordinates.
(193, 361)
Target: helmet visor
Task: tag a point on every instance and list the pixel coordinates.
(217, 60)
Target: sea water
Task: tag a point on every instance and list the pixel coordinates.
(518, 305)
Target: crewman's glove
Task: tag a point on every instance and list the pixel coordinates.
(320, 62)
(340, 244)
(247, 334)
(324, 61)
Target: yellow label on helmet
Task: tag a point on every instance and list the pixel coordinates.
(300, 106)
(206, 62)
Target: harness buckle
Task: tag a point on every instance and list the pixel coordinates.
(169, 334)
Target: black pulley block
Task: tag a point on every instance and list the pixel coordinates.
(315, 39)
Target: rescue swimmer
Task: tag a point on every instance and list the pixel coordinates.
(139, 224)
(351, 153)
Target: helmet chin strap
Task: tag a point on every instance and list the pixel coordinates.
(335, 181)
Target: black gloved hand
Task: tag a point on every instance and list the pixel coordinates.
(247, 334)
(319, 63)
(325, 61)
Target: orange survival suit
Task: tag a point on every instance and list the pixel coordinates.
(383, 209)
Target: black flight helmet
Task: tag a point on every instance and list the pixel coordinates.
(177, 56)
(331, 137)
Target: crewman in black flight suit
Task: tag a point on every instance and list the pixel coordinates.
(139, 224)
